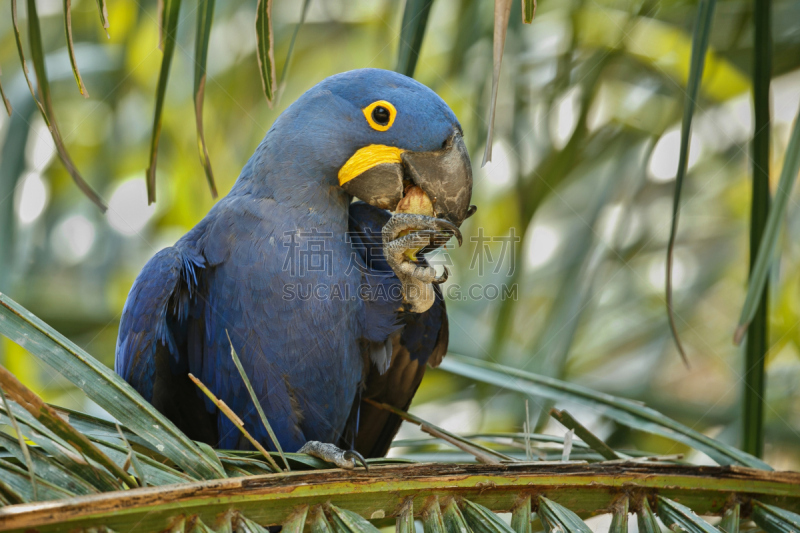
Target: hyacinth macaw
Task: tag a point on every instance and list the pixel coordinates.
(361, 332)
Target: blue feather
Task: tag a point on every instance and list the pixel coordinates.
(304, 355)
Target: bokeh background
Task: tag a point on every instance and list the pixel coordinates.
(585, 156)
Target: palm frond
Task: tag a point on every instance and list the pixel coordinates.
(87, 468)
(502, 10)
(205, 16)
(566, 492)
(169, 30)
(71, 48)
(754, 382)
(626, 412)
(412, 31)
(44, 100)
(702, 32)
(105, 387)
(6, 103)
(265, 48)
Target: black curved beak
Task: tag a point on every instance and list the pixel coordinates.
(445, 175)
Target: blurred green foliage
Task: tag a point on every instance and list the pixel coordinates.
(585, 153)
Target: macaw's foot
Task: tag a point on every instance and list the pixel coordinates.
(328, 452)
(407, 222)
(404, 235)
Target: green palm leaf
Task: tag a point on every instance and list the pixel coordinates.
(44, 102)
(775, 520)
(105, 387)
(754, 382)
(624, 411)
(205, 16)
(702, 31)
(265, 48)
(679, 516)
(502, 9)
(6, 103)
(730, 520)
(769, 241)
(170, 15)
(557, 518)
(71, 48)
(412, 31)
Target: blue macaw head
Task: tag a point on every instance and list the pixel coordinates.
(376, 133)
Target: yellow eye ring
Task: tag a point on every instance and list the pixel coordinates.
(375, 122)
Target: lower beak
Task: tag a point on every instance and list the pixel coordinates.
(445, 176)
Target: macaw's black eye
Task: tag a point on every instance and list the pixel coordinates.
(381, 115)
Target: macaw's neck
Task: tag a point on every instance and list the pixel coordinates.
(297, 180)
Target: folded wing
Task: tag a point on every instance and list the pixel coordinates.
(151, 351)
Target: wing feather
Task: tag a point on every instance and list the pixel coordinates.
(154, 336)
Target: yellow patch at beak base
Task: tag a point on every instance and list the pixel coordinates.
(366, 158)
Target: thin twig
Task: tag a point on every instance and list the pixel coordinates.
(222, 406)
(672, 458)
(451, 437)
(528, 450)
(567, 445)
(479, 455)
(592, 440)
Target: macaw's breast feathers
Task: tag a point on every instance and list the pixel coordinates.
(415, 340)
(422, 342)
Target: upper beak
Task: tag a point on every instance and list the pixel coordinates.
(445, 175)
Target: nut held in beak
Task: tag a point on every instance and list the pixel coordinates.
(416, 202)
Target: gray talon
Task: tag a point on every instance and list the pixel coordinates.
(441, 279)
(455, 231)
(408, 221)
(354, 456)
(333, 454)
